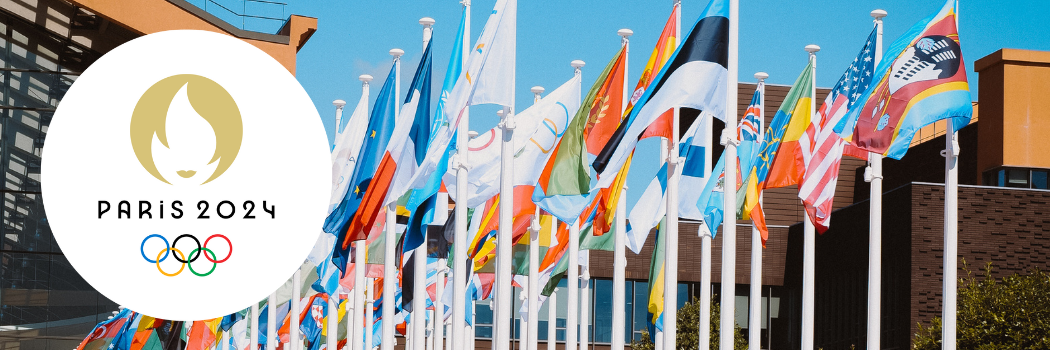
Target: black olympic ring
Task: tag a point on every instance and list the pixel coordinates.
(192, 257)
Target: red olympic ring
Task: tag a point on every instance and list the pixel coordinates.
(228, 254)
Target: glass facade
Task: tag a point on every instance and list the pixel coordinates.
(44, 303)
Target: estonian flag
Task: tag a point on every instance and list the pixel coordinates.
(695, 77)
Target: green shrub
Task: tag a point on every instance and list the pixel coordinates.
(1013, 313)
(688, 326)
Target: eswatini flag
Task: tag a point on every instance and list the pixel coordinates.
(409, 140)
(921, 79)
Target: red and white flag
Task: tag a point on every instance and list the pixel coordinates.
(823, 148)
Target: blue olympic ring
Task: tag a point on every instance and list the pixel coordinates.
(142, 248)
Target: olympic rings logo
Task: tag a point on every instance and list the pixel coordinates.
(184, 259)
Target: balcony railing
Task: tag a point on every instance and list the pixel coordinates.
(252, 15)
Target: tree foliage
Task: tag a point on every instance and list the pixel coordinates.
(1013, 313)
(688, 329)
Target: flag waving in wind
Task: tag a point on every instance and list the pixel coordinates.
(695, 77)
(921, 79)
(823, 154)
(488, 78)
(772, 169)
(749, 132)
(409, 137)
(563, 188)
(377, 135)
(652, 206)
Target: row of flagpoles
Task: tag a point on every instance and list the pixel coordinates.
(390, 168)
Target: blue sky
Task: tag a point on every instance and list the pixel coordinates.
(353, 38)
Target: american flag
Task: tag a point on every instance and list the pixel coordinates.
(825, 147)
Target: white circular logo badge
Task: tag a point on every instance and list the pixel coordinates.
(186, 175)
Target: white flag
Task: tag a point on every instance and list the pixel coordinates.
(540, 127)
(344, 155)
(489, 78)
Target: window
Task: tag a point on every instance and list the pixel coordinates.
(1039, 179)
(1017, 178)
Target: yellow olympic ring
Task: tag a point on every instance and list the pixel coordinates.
(174, 250)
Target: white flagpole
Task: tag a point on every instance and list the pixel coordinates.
(332, 317)
(459, 241)
(620, 228)
(810, 239)
(951, 234)
(671, 236)
(572, 320)
(505, 234)
(572, 317)
(533, 327)
(705, 290)
(369, 312)
(552, 318)
(360, 266)
(874, 333)
(293, 321)
(585, 303)
(754, 327)
(271, 322)
(253, 335)
(504, 293)
(729, 139)
(419, 277)
(389, 267)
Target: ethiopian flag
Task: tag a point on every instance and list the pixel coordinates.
(779, 161)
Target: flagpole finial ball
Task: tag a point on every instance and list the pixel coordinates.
(577, 64)
(812, 48)
(365, 78)
(339, 103)
(761, 75)
(878, 13)
(427, 21)
(537, 89)
(625, 32)
(397, 52)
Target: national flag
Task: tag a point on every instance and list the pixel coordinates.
(652, 205)
(107, 333)
(563, 188)
(380, 128)
(311, 320)
(488, 78)
(771, 169)
(823, 155)
(656, 283)
(282, 315)
(665, 46)
(202, 334)
(410, 136)
(712, 198)
(347, 147)
(426, 196)
(169, 335)
(920, 80)
(695, 77)
(539, 129)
